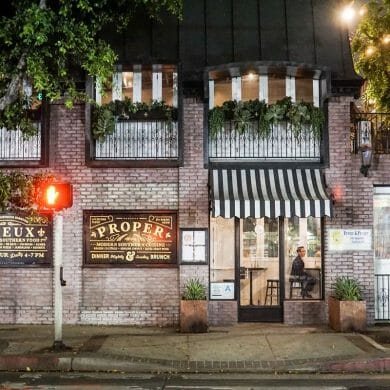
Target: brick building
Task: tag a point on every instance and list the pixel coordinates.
(162, 200)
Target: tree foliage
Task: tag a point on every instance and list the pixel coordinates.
(52, 44)
(371, 52)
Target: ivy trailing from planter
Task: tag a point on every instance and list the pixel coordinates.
(244, 113)
(105, 116)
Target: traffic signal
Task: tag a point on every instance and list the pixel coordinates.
(57, 196)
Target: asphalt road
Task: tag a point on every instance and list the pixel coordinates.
(119, 381)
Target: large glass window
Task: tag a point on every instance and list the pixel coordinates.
(139, 84)
(259, 261)
(250, 87)
(276, 88)
(222, 91)
(221, 249)
(304, 232)
(304, 90)
(259, 257)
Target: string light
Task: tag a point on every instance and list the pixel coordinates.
(370, 50)
(348, 13)
(386, 39)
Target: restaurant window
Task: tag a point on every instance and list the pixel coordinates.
(222, 91)
(147, 131)
(259, 260)
(250, 87)
(304, 89)
(17, 149)
(141, 84)
(276, 88)
(304, 232)
(222, 247)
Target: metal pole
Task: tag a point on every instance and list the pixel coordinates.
(58, 223)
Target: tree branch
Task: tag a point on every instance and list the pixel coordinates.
(14, 86)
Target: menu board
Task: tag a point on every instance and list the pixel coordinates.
(25, 240)
(129, 238)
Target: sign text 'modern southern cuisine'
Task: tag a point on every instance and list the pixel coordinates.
(129, 238)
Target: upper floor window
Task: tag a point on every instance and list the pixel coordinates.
(142, 103)
(265, 114)
(141, 84)
(30, 147)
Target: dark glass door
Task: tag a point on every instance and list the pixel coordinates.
(259, 268)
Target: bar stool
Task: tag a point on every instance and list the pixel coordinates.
(295, 286)
(272, 291)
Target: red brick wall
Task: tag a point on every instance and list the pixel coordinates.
(109, 296)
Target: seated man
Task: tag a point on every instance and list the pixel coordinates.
(299, 273)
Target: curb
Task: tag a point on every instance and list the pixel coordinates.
(93, 364)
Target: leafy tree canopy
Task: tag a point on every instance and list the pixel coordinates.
(371, 52)
(46, 43)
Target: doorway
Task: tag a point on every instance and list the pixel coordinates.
(260, 281)
(253, 257)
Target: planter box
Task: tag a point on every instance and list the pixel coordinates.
(347, 315)
(193, 316)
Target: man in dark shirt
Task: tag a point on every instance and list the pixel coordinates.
(299, 273)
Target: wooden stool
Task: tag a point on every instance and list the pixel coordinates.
(295, 285)
(272, 291)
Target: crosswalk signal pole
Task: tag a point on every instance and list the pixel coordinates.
(58, 281)
(56, 197)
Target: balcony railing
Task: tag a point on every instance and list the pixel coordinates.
(374, 126)
(282, 143)
(15, 147)
(140, 140)
(382, 302)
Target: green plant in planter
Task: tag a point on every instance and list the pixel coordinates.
(104, 116)
(347, 289)
(301, 116)
(194, 290)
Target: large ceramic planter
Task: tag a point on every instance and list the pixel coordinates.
(347, 315)
(193, 316)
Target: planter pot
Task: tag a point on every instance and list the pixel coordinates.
(347, 315)
(193, 316)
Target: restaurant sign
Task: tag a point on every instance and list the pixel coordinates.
(129, 238)
(25, 240)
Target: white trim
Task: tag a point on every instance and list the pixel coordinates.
(98, 91)
(316, 92)
(137, 86)
(175, 90)
(117, 85)
(236, 88)
(157, 86)
(263, 87)
(290, 87)
(211, 94)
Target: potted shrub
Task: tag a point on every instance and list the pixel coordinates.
(194, 308)
(347, 309)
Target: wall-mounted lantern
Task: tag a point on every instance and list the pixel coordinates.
(366, 154)
(365, 145)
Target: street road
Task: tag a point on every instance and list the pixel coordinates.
(119, 381)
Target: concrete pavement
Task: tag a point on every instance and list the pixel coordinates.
(255, 347)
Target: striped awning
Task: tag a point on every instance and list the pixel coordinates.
(268, 193)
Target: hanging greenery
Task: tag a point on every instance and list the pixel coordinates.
(104, 116)
(300, 115)
(371, 52)
(20, 192)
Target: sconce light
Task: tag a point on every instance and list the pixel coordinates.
(366, 154)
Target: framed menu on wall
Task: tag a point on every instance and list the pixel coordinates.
(194, 248)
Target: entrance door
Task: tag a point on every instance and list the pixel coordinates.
(259, 270)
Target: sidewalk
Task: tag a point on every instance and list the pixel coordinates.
(255, 347)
